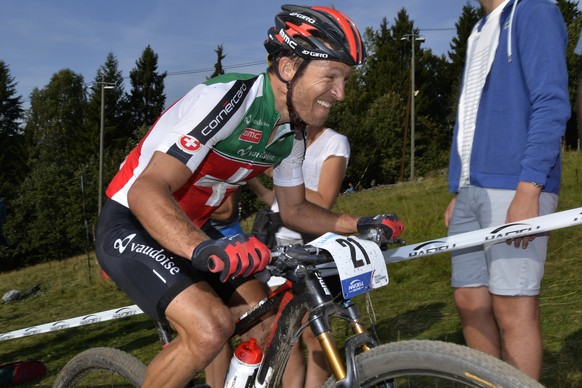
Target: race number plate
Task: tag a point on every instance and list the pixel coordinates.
(360, 263)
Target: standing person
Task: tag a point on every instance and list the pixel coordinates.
(223, 132)
(505, 167)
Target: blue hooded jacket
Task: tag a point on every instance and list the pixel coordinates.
(524, 105)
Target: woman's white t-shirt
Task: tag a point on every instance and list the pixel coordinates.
(328, 144)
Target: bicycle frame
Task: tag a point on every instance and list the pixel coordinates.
(304, 292)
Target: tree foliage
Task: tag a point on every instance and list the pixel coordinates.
(46, 221)
(218, 70)
(147, 89)
(13, 155)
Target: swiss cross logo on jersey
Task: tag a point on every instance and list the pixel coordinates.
(188, 144)
(251, 135)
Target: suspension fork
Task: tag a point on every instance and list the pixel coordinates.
(355, 321)
(345, 372)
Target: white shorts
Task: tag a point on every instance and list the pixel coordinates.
(506, 270)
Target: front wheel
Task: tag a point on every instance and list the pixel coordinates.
(434, 364)
(101, 367)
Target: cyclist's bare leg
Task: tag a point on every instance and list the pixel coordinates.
(480, 329)
(203, 324)
(518, 318)
(215, 373)
(247, 295)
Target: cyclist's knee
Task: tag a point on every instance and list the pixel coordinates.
(204, 333)
(212, 331)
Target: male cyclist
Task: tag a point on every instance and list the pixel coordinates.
(151, 236)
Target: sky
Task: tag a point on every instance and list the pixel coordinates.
(38, 38)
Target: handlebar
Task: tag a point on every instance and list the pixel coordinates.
(291, 257)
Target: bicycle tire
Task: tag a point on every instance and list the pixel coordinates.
(120, 367)
(419, 363)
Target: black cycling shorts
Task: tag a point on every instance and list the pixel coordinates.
(149, 274)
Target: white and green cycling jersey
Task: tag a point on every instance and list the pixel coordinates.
(225, 131)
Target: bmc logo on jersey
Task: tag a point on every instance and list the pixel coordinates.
(251, 135)
(188, 144)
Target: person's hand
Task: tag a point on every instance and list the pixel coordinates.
(449, 211)
(388, 223)
(233, 256)
(525, 204)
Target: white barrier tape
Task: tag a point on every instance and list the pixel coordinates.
(485, 236)
(492, 235)
(120, 312)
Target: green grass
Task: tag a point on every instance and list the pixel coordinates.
(416, 304)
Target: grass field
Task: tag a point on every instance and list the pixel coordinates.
(416, 304)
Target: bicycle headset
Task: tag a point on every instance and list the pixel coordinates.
(312, 33)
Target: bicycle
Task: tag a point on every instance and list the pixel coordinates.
(365, 362)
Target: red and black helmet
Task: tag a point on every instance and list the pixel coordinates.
(316, 33)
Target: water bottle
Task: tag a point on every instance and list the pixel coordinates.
(244, 365)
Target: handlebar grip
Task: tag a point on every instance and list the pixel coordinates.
(214, 264)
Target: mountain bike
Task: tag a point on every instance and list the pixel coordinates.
(321, 291)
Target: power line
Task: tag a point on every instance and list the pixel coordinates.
(437, 29)
(201, 70)
(210, 69)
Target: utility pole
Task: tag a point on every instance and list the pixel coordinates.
(104, 85)
(412, 38)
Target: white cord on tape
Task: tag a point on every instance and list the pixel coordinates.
(485, 236)
(88, 319)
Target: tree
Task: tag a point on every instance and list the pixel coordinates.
(117, 127)
(147, 96)
(56, 121)
(47, 217)
(117, 116)
(387, 68)
(218, 70)
(13, 155)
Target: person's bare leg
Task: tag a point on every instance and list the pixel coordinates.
(215, 373)
(518, 318)
(294, 375)
(203, 325)
(318, 370)
(247, 295)
(475, 309)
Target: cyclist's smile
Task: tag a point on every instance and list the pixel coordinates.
(321, 85)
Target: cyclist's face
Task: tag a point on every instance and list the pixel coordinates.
(321, 85)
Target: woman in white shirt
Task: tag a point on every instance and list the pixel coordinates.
(324, 168)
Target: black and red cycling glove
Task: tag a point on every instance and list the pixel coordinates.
(388, 223)
(232, 256)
